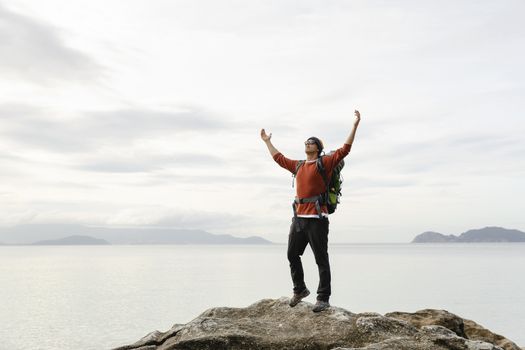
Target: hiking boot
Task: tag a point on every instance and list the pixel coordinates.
(297, 297)
(320, 306)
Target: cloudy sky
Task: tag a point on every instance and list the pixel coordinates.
(147, 113)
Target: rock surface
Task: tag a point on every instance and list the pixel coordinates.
(462, 327)
(272, 324)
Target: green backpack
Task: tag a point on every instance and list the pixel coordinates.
(333, 185)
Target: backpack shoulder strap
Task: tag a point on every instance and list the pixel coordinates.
(299, 164)
(322, 171)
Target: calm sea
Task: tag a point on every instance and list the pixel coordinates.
(99, 297)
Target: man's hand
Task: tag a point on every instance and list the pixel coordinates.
(357, 117)
(350, 138)
(264, 136)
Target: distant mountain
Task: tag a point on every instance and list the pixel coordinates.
(492, 234)
(433, 237)
(73, 240)
(487, 234)
(28, 234)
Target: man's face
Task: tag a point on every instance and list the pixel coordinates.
(310, 146)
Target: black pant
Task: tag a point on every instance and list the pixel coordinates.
(315, 232)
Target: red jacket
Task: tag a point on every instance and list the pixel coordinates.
(309, 182)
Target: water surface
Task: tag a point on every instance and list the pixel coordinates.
(99, 297)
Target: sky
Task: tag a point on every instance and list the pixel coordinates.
(147, 113)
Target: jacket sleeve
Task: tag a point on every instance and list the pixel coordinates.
(331, 160)
(286, 163)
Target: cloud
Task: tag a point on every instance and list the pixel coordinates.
(486, 142)
(9, 170)
(256, 16)
(177, 218)
(25, 125)
(133, 122)
(424, 153)
(147, 163)
(74, 185)
(359, 183)
(30, 127)
(9, 157)
(33, 50)
(250, 179)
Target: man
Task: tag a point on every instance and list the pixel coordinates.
(310, 221)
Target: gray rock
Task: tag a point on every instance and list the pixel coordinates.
(462, 327)
(429, 317)
(273, 324)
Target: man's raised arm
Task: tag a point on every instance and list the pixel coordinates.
(350, 138)
(267, 140)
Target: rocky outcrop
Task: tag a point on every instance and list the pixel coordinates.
(272, 324)
(462, 327)
(475, 331)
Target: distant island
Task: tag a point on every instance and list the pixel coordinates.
(69, 234)
(488, 234)
(73, 240)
